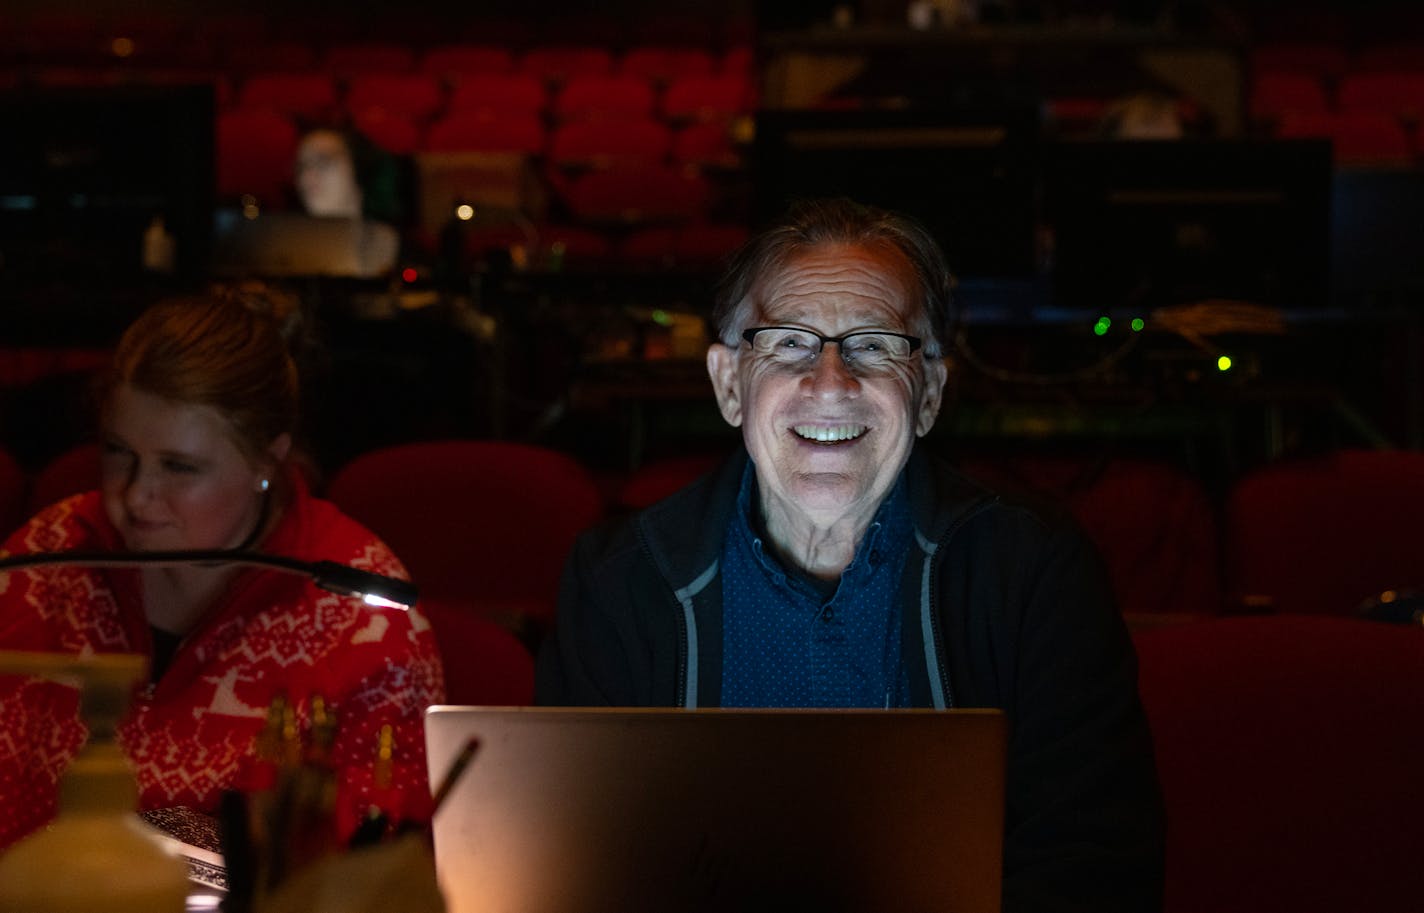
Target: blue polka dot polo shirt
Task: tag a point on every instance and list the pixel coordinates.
(790, 640)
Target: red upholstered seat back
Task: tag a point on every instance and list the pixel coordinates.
(484, 663)
(74, 471)
(1154, 525)
(656, 480)
(1290, 750)
(485, 522)
(255, 151)
(1323, 535)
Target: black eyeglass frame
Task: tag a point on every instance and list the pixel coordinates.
(916, 342)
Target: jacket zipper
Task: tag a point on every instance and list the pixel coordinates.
(938, 635)
(680, 694)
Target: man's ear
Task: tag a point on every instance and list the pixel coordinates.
(936, 373)
(722, 368)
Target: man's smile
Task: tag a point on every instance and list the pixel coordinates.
(829, 434)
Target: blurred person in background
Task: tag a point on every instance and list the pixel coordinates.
(340, 174)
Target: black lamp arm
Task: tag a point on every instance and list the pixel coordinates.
(374, 588)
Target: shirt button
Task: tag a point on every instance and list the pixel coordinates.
(828, 614)
(875, 556)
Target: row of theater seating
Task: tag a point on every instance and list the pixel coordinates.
(538, 78)
(1333, 59)
(426, 97)
(1368, 101)
(611, 148)
(256, 146)
(1314, 536)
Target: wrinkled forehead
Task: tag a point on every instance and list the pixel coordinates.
(874, 281)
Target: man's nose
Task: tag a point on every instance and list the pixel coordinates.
(830, 375)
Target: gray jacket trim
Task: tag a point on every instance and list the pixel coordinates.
(684, 597)
(932, 663)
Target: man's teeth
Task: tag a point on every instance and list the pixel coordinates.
(828, 434)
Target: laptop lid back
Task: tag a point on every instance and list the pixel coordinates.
(643, 810)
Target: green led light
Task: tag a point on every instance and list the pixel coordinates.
(1137, 324)
(1223, 363)
(661, 318)
(1102, 326)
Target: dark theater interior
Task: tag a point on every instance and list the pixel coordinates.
(1187, 247)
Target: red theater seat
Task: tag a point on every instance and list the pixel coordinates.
(630, 194)
(657, 479)
(413, 95)
(456, 61)
(1289, 750)
(1367, 138)
(706, 143)
(500, 93)
(662, 63)
(255, 151)
(391, 130)
(484, 663)
(555, 63)
(1153, 524)
(604, 144)
(1321, 536)
(1396, 92)
(479, 131)
(738, 60)
(70, 473)
(719, 96)
(601, 97)
(485, 523)
(698, 245)
(1273, 94)
(308, 95)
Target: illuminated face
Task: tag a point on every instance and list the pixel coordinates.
(326, 176)
(172, 476)
(828, 439)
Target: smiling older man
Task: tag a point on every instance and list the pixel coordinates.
(836, 563)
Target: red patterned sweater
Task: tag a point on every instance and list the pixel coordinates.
(192, 733)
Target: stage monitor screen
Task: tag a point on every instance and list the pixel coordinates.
(966, 173)
(84, 173)
(1137, 225)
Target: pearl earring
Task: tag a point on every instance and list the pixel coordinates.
(264, 485)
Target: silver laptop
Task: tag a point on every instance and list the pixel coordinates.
(281, 244)
(635, 811)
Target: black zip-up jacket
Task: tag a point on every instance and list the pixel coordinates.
(1003, 607)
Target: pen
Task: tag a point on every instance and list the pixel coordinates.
(452, 774)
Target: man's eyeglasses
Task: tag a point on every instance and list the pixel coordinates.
(870, 350)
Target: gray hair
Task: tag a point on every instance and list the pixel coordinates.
(812, 223)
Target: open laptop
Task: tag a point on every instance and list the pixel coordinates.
(623, 810)
(284, 244)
